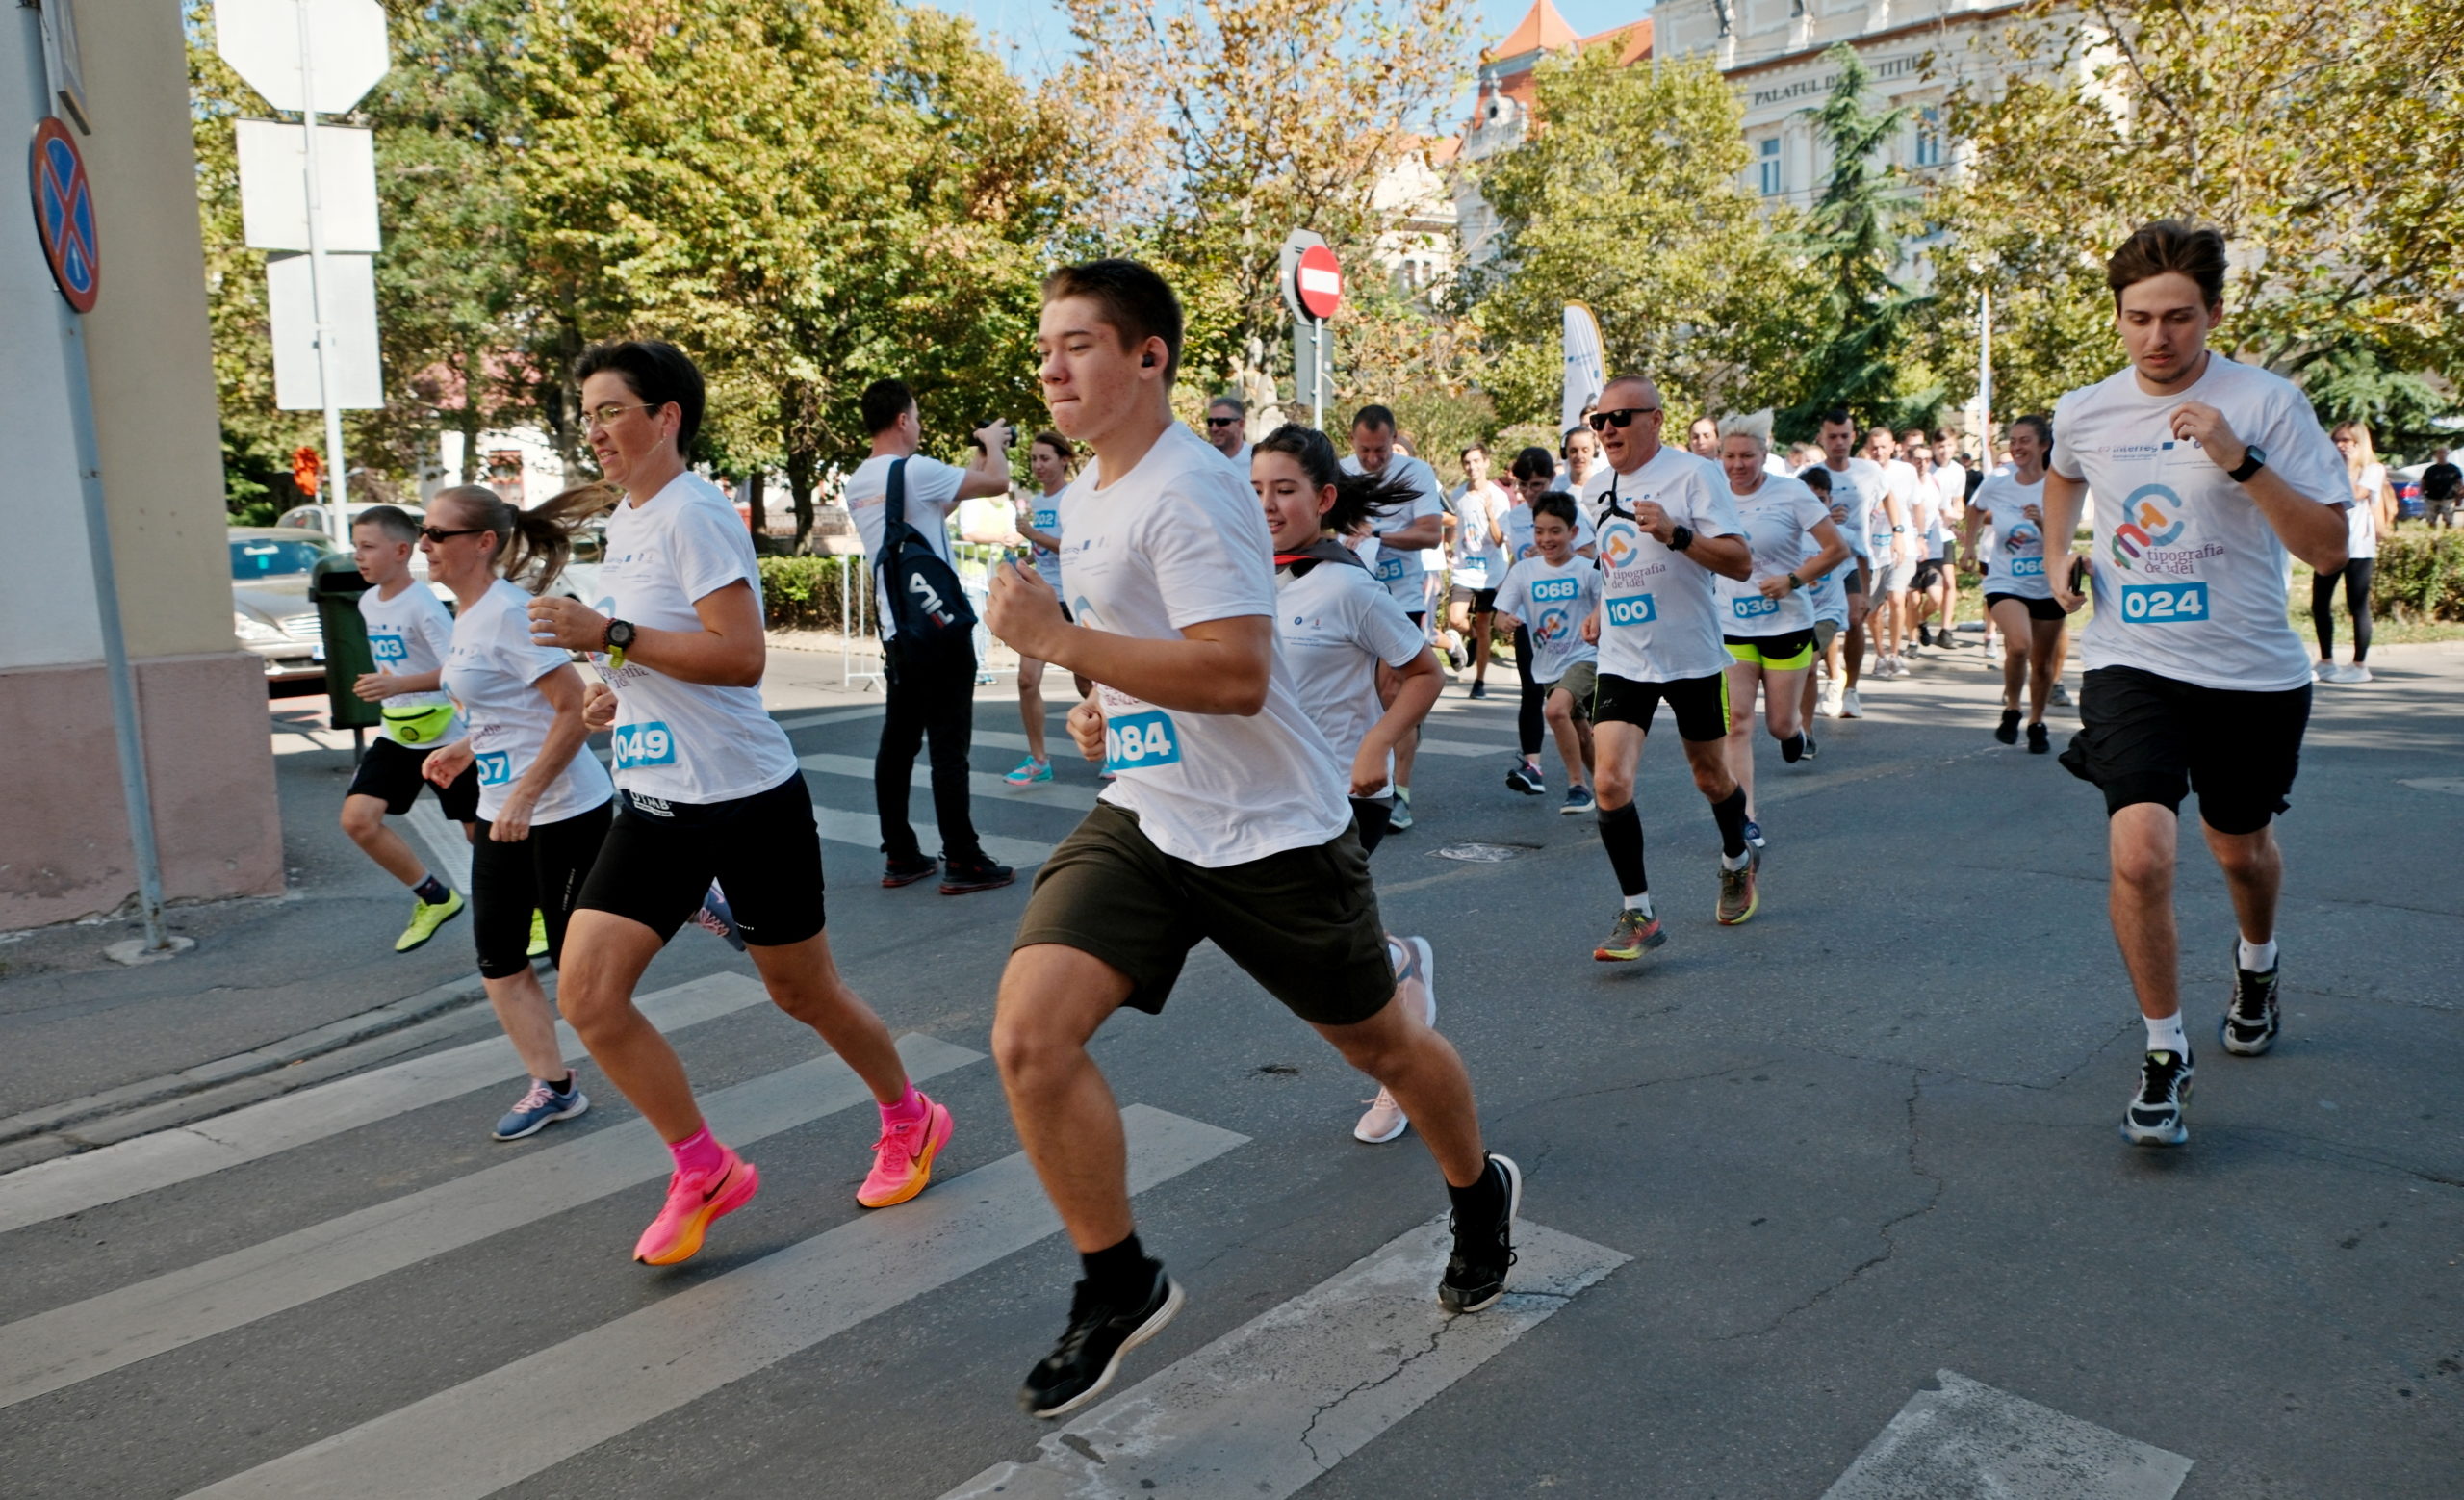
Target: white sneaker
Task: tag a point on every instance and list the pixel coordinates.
(1826, 702)
(2062, 697)
(1385, 1120)
(2329, 672)
(1849, 706)
(2358, 672)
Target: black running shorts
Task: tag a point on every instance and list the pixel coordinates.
(1700, 704)
(1370, 817)
(2037, 608)
(389, 773)
(659, 858)
(543, 873)
(2149, 739)
(1303, 924)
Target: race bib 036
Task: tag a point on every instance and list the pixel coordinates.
(1632, 609)
(1754, 607)
(644, 744)
(1140, 741)
(2164, 604)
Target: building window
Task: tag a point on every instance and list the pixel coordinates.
(1929, 136)
(1770, 164)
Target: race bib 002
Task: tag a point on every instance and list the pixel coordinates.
(2164, 604)
(494, 768)
(1632, 609)
(1140, 741)
(646, 743)
(1754, 607)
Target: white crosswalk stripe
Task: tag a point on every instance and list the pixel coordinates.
(485, 1433)
(71, 1184)
(77, 1342)
(1968, 1439)
(981, 783)
(865, 831)
(1268, 1407)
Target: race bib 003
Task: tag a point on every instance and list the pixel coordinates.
(494, 768)
(2164, 604)
(1140, 741)
(1632, 609)
(387, 647)
(646, 743)
(1754, 607)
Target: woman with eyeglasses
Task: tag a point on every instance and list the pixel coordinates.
(544, 800)
(708, 787)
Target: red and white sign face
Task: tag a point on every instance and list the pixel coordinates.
(1320, 281)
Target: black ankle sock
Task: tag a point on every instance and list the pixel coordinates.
(1730, 814)
(1120, 1275)
(432, 890)
(1621, 831)
(566, 1087)
(1792, 748)
(1480, 1198)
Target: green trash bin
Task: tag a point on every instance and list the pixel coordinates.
(335, 584)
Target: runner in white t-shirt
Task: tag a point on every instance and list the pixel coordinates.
(1935, 525)
(1950, 492)
(1476, 515)
(2207, 476)
(709, 790)
(1857, 483)
(1827, 594)
(1897, 521)
(2371, 512)
(1666, 527)
(544, 798)
(1550, 595)
(1534, 474)
(408, 632)
(1229, 821)
(1401, 535)
(2005, 533)
(1051, 456)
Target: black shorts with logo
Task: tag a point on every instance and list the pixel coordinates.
(2037, 608)
(2148, 738)
(659, 858)
(1303, 922)
(389, 773)
(1700, 704)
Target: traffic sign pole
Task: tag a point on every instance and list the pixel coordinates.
(337, 491)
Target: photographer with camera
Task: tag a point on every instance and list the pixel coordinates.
(900, 502)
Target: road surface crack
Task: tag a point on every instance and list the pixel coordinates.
(1437, 1335)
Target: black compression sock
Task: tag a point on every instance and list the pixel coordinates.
(1621, 829)
(1730, 813)
(432, 890)
(1120, 1275)
(1482, 1198)
(566, 1087)
(1793, 748)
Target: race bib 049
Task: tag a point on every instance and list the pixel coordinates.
(1754, 607)
(1140, 741)
(646, 743)
(1632, 609)
(2163, 604)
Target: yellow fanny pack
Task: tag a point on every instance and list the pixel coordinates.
(420, 726)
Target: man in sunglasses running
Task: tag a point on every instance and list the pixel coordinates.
(1227, 419)
(1666, 524)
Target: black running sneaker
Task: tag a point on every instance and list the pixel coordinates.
(907, 872)
(2249, 1023)
(2156, 1111)
(1476, 1273)
(2007, 731)
(1090, 1352)
(1808, 755)
(959, 877)
(2040, 740)
(1526, 778)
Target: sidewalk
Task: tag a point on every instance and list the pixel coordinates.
(279, 990)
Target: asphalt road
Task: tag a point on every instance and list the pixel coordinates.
(1830, 1203)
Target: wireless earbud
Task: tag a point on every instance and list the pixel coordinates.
(1148, 362)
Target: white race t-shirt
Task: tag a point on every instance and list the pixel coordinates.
(679, 741)
(1661, 617)
(1950, 496)
(2011, 547)
(1046, 518)
(491, 671)
(2189, 578)
(1177, 541)
(1516, 523)
(1335, 625)
(931, 494)
(1861, 486)
(1551, 601)
(1403, 571)
(2361, 517)
(1778, 518)
(1477, 562)
(408, 634)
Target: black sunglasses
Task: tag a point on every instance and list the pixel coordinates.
(438, 535)
(1622, 417)
(1222, 421)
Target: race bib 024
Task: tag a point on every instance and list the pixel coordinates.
(647, 743)
(2164, 604)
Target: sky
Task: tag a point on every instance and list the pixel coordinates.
(1035, 36)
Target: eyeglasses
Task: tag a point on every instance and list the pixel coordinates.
(439, 535)
(1222, 421)
(1622, 417)
(605, 415)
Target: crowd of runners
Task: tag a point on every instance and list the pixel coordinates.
(1255, 632)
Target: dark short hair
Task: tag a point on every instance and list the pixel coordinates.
(884, 402)
(392, 519)
(1228, 400)
(1838, 416)
(2169, 244)
(1533, 463)
(1566, 439)
(657, 372)
(1376, 418)
(1558, 504)
(1469, 449)
(1814, 476)
(2044, 430)
(1359, 497)
(1129, 295)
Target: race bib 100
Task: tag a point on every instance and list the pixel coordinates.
(1754, 607)
(495, 768)
(644, 744)
(1140, 741)
(2027, 567)
(2163, 604)
(1632, 609)
(387, 647)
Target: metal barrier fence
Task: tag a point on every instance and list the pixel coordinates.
(859, 605)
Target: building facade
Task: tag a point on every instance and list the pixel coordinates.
(64, 842)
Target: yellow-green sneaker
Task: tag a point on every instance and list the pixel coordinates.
(538, 934)
(425, 917)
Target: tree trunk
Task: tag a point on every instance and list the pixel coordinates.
(469, 419)
(753, 501)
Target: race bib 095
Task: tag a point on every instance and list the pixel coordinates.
(644, 744)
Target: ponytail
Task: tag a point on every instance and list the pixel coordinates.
(1359, 497)
(535, 545)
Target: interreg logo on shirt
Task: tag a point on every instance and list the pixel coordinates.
(1138, 741)
(1632, 609)
(387, 647)
(647, 743)
(1754, 607)
(496, 769)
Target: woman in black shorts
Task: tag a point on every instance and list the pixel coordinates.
(2018, 596)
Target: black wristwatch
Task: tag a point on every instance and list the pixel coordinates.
(2254, 460)
(1680, 538)
(619, 637)
(1795, 582)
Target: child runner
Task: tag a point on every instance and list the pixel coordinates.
(1534, 474)
(1473, 514)
(708, 790)
(1829, 597)
(2008, 509)
(408, 632)
(1548, 595)
(1051, 456)
(544, 800)
(1229, 821)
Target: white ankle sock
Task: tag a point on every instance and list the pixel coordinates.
(2166, 1035)
(1640, 903)
(1739, 862)
(2256, 957)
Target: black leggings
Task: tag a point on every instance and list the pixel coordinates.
(2323, 597)
(1527, 716)
(937, 702)
(541, 873)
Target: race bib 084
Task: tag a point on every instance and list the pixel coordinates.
(647, 743)
(1140, 741)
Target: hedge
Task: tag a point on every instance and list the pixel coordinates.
(2419, 576)
(802, 593)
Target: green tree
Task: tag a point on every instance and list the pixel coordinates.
(1628, 197)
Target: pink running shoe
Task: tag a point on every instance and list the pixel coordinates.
(903, 1158)
(693, 1199)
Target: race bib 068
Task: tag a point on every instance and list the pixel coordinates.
(1632, 609)
(1545, 589)
(644, 744)
(1140, 741)
(1754, 607)
(2164, 604)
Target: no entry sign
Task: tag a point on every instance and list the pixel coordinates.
(65, 215)
(1319, 282)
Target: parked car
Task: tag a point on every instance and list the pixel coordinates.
(314, 518)
(270, 610)
(2406, 482)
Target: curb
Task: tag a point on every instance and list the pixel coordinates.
(375, 1022)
